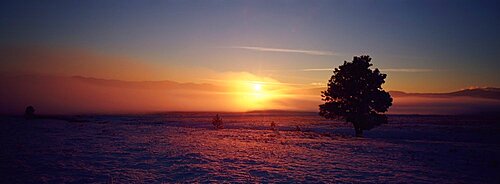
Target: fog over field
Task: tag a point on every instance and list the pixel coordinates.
(81, 95)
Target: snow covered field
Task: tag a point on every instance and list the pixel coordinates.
(183, 147)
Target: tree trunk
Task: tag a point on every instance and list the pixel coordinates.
(359, 132)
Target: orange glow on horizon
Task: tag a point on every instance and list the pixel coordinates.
(254, 95)
(251, 92)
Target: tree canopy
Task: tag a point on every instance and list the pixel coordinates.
(355, 95)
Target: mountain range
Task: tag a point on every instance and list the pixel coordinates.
(486, 92)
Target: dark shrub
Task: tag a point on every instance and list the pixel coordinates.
(217, 122)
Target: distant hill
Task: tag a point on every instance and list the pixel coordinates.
(82, 95)
(164, 84)
(487, 93)
(277, 111)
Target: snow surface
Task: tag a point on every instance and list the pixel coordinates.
(183, 147)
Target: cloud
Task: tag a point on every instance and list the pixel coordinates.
(411, 70)
(73, 61)
(317, 84)
(267, 49)
(407, 70)
(58, 61)
(254, 81)
(316, 69)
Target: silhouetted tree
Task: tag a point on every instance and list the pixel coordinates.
(355, 95)
(217, 122)
(29, 113)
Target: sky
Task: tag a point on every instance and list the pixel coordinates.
(423, 46)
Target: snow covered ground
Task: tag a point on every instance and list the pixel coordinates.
(183, 147)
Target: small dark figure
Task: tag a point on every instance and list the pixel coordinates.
(355, 95)
(29, 113)
(297, 128)
(217, 122)
(273, 126)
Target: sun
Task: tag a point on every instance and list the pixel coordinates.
(251, 94)
(254, 94)
(258, 93)
(257, 87)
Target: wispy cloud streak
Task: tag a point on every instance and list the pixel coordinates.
(316, 69)
(253, 81)
(267, 49)
(408, 70)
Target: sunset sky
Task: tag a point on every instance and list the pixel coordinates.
(423, 46)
